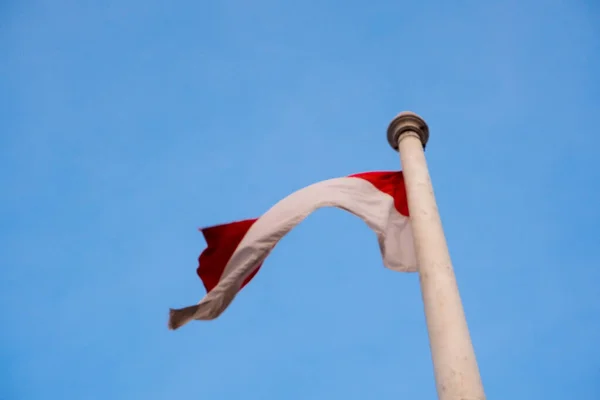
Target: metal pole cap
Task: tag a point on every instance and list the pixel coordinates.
(404, 122)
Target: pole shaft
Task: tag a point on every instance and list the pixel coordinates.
(455, 367)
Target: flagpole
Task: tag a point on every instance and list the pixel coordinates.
(455, 367)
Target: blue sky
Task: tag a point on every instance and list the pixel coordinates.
(126, 125)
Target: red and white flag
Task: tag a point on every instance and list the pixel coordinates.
(236, 251)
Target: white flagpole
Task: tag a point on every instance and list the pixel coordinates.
(455, 367)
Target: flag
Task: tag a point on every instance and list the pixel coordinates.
(235, 251)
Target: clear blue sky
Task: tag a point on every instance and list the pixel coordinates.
(126, 125)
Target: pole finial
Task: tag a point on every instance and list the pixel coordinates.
(407, 121)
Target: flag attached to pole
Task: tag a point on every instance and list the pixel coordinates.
(235, 251)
